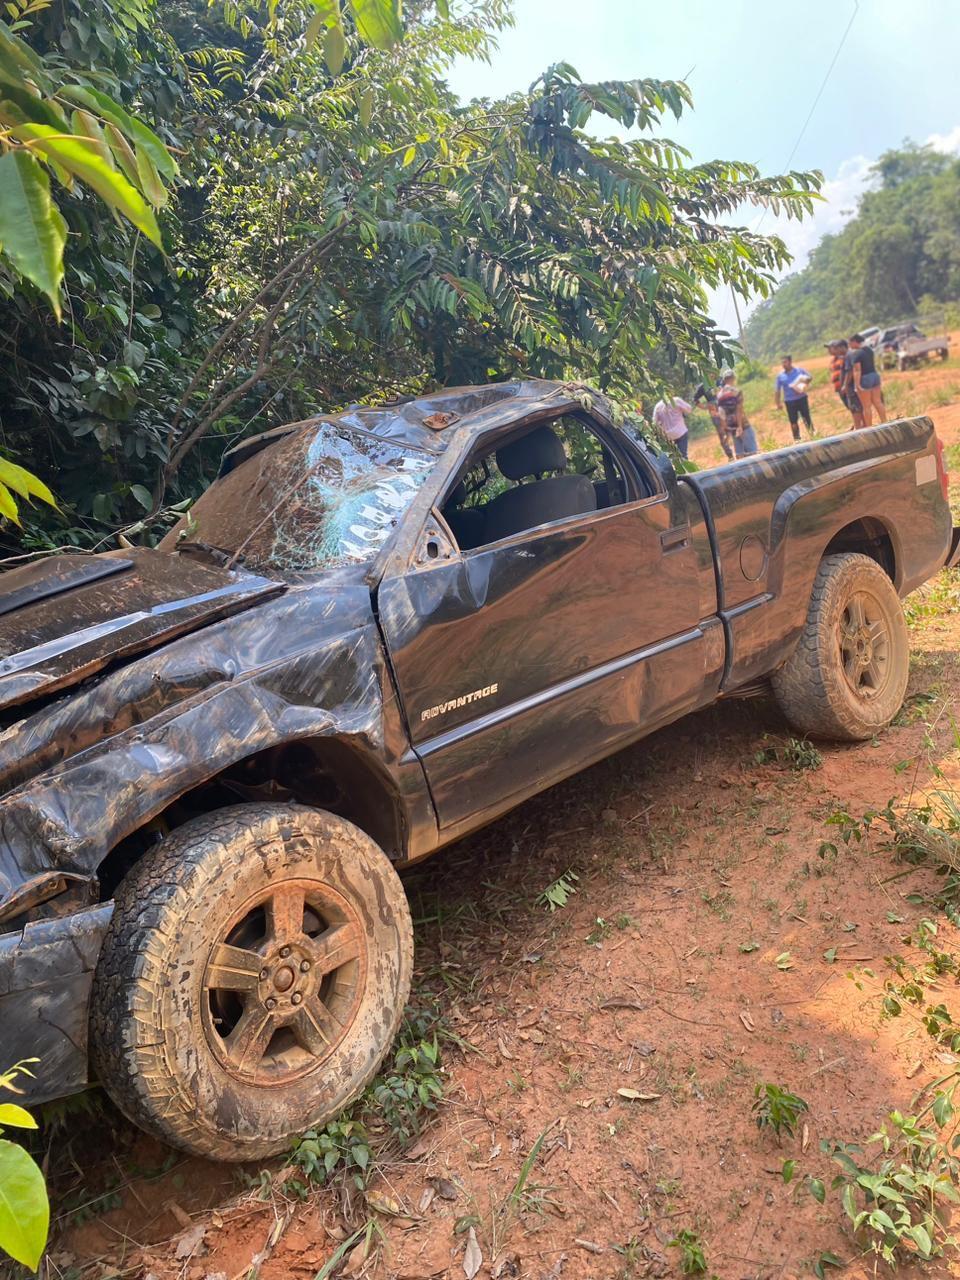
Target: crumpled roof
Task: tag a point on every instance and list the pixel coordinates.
(421, 422)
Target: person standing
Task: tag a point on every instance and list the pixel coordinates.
(709, 397)
(863, 380)
(671, 417)
(849, 399)
(791, 388)
(730, 404)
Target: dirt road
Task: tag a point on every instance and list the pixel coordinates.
(711, 944)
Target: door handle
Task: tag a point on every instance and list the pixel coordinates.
(675, 539)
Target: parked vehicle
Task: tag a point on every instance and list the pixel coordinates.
(913, 350)
(373, 634)
(904, 345)
(870, 335)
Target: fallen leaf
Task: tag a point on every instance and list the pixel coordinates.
(426, 1199)
(384, 1203)
(590, 1245)
(472, 1256)
(634, 1096)
(504, 1051)
(805, 1137)
(618, 1003)
(529, 1019)
(190, 1241)
(747, 1020)
(784, 961)
(444, 1188)
(506, 1268)
(917, 1066)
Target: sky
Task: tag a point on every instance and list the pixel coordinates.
(756, 68)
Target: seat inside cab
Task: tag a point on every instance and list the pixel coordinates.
(549, 472)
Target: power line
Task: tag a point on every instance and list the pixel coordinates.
(819, 95)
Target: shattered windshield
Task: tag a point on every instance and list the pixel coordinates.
(323, 496)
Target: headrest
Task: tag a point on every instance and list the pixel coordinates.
(538, 451)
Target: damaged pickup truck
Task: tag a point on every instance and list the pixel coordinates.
(373, 634)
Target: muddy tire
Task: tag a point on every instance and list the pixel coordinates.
(848, 674)
(252, 979)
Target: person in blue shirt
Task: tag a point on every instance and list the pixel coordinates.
(791, 390)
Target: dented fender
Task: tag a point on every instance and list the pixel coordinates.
(86, 771)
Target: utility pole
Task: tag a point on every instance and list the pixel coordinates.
(736, 308)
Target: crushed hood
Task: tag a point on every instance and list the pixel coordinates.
(67, 617)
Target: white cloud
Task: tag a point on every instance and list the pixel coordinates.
(949, 142)
(831, 214)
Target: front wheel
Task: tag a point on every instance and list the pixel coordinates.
(848, 674)
(252, 979)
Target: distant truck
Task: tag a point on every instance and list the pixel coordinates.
(376, 633)
(904, 345)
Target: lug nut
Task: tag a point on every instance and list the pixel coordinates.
(304, 966)
(271, 1003)
(296, 997)
(264, 974)
(284, 951)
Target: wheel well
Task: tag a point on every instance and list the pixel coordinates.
(327, 773)
(871, 538)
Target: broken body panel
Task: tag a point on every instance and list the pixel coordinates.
(315, 623)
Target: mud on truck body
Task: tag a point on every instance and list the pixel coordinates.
(373, 634)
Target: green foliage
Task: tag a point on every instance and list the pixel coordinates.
(899, 257)
(777, 1109)
(24, 1207)
(801, 754)
(899, 1199)
(558, 893)
(693, 1261)
(340, 229)
(406, 1095)
(341, 1148)
(395, 1106)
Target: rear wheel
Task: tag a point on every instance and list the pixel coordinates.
(848, 674)
(252, 979)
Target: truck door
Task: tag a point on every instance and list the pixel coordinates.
(539, 648)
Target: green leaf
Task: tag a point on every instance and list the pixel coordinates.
(378, 22)
(150, 183)
(817, 1190)
(314, 27)
(443, 9)
(849, 1200)
(921, 1238)
(24, 1208)
(16, 1117)
(32, 231)
(24, 482)
(123, 152)
(788, 1170)
(942, 1109)
(86, 126)
(142, 495)
(134, 129)
(81, 158)
(8, 507)
(366, 108)
(334, 50)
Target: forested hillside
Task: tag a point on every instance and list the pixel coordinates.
(220, 217)
(899, 257)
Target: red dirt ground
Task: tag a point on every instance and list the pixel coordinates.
(698, 868)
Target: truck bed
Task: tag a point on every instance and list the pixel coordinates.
(769, 517)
